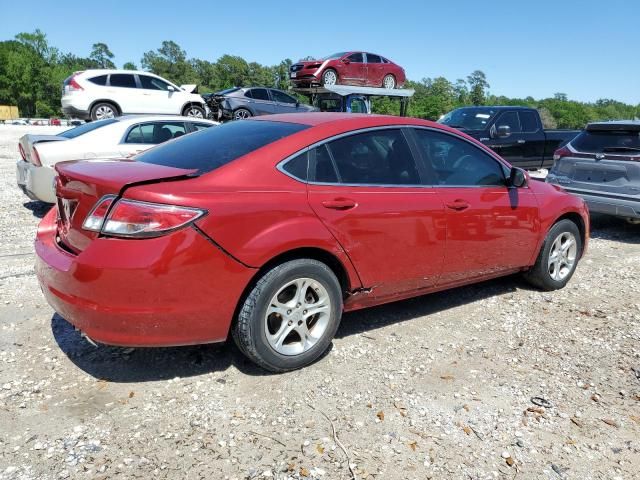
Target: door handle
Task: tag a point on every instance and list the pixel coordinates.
(339, 204)
(521, 141)
(457, 205)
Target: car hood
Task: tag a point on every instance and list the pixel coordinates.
(190, 88)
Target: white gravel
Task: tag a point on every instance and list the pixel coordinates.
(435, 387)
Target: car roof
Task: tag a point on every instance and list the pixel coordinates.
(349, 120)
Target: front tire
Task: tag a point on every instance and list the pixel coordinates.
(389, 81)
(103, 110)
(195, 111)
(241, 114)
(558, 258)
(329, 77)
(289, 318)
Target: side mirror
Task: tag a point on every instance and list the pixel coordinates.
(171, 88)
(503, 131)
(517, 177)
(346, 61)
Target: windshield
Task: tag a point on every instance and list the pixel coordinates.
(334, 56)
(214, 147)
(600, 141)
(473, 118)
(86, 128)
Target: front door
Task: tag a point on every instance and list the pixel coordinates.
(367, 190)
(355, 72)
(491, 227)
(157, 96)
(284, 103)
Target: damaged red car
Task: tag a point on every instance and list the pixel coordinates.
(269, 229)
(348, 68)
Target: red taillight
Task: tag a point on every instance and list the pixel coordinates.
(74, 86)
(562, 152)
(134, 219)
(35, 157)
(22, 154)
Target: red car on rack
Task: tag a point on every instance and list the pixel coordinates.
(348, 68)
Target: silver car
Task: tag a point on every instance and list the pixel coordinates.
(602, 165)
(238, 103)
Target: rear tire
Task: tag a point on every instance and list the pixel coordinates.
(290, 316)
(558, 257)
(102, 110)
(389, 81)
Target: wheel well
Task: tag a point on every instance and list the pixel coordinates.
(110, 102)
(577, 219)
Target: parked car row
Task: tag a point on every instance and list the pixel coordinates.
(274, 226)
(108, 138)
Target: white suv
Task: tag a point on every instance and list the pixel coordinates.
(99, 94)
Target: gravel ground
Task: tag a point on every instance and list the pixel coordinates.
(435, 387)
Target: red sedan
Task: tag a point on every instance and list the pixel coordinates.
(270, 228)
(348, 68)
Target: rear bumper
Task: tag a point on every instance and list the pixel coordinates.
(36, 182)
(73, 112)
(178, 289)
(609, 205)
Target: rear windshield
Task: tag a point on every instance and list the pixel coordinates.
(209, 149)
(601, 141)
(86, 128)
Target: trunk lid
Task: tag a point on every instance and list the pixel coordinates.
(80, 184)
(27, 142)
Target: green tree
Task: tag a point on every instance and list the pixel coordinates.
(169, 61)
(478, 87)
(129, 66)
(102, 56)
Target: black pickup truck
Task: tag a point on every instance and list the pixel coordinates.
(515, 133)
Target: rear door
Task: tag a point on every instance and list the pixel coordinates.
(491, 228)
(375, 70)
(260, 101)
(366, 188)
(124, 90)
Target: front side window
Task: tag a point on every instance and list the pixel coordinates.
(380, 157)
(278, 96)
(155, 132)
(152, 83)
(260, 94)
(214, 147)
(123, 80)
(456, 162)
(509, 119)
(355, 58)
(469, 118)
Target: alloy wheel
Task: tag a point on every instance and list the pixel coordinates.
(297, 316)
(329, 78)
(241, 114)
(195, 112)
(562, 256)
(389, 82)
(104, 111)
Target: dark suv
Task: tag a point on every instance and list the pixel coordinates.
(238, 103)
(602, 165)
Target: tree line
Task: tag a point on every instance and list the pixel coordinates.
(32, 72)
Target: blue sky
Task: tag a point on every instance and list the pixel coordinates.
(587, 49)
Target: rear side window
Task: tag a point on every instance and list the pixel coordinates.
(371, 58)
(99, 80)
(154, 133)
(297, 166)
(613, 141)
(380, 157)
(248, 94)
(212, 148)
(86, 128)
(323, 169)
(455, 162)
(528, 121)
(124, 80)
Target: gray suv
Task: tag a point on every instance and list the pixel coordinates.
(602, 165)
(238, 103)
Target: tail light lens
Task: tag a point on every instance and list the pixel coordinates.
(22, 154)
(561, 152)
(135, 219)
(74, 86)
(35, 157)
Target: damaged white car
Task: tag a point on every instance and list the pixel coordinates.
(100, 94)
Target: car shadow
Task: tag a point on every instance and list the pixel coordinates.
(369, 319)
(607, 227)
(39, 209)
(125, 365)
